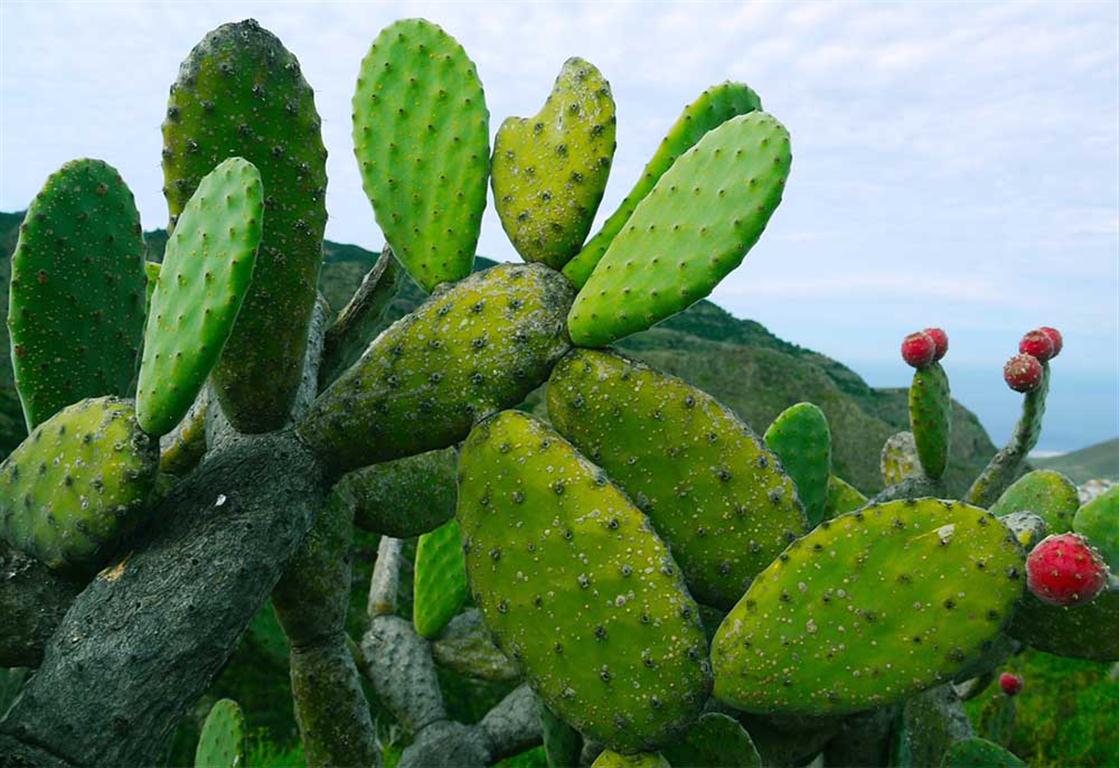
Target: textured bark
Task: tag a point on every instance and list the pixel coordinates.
(513, 725)
(33, 600)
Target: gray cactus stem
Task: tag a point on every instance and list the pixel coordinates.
(33, 600)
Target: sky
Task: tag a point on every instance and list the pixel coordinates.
(954, 164)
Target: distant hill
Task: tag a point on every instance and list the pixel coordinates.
(738, 361)
(1096, 462)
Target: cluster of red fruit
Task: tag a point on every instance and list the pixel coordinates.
(1024, 371)
(925, 347)
(1064, 569)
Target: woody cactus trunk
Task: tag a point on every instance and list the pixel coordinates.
(669, 587)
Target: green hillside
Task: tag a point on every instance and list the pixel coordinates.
(1099, 461)
(738, 361)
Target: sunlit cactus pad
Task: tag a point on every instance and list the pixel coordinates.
(439, 588)
(421, 138)
(870, 607)
(930, 418)
(575, 586)
(222, 742)
(801, 438)
(77, 292)
(1046, 493)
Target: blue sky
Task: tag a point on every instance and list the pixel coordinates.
(954, 164)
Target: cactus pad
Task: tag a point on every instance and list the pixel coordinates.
(222, 742)
(478, 347)
(899, 460)
(1089, 631)
(1048, 494)
(930, 418)
(207, 268)
(1098, 520)
(550, 170)
(979, 753)
(869, 608)
(575, 586)
(802, 440)
(439, 587)
(715, 741)
(610, 759)
(77, 483)
(714, 107)
(406, 497)
(692, 229)
(77, 294)
(842, 498)
(240, 93)
(421, 137)
(710, 488)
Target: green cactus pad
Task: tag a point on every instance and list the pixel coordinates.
(77, 294)
(1098, 520)
(206, 272)
(711, 489)
(550, 170)
(715, 741)
(240, 93)
(422, 141)
(574, 584)
(406, 497)
(1089, 631)
(79, 482)
(801, 438)
(930, 418)
(842, 498)
(610, 759)
(692, 229)
(222, 742)
(899, 460)
(151, 275)
(869, 608)
(562, 743)
(439, 588)
(1048, 494)
(475, 348)
(979, 753)
(714, 107)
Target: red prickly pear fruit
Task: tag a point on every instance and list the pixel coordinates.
(940, 338)
(1023, 373)
(1039, 344)
(1011, 684)
(1054, 336)
(1064, 569)
(918, 349)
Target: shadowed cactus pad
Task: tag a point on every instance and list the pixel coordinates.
(222, 742)
(714, 107)
(715, 741)
(403, 498)
(1048, 494)
(240, 93)
(692, 229)
(842, 497)
(79, 482)
(475, 348)
(979, 753)
(711, 489)
(1089, 631)
(207, 268)
(77, 293)
(610, 759)
(870, 607)
(575, 585)
(421, 138)
(1098, 520)
(930, 418)
(439, 587)
(802, 440)
(550, 170)
(899, 460)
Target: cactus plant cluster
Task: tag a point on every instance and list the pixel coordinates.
(673, 588)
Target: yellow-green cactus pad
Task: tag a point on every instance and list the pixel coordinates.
(842, 497)
(869, 608)
(689, 232)
(1098, 520)
(439, 587)
(930, 418)
(577, 588)
(1048, 494)
(714, 107)
(78, 483)
(611, 759)
(422, 142)
(714, 493)
(715, 741)
(222, 742)
(801, 438)
(550, 170)
(471, 350)
(77, 294)
(206, 273)
(898, 460)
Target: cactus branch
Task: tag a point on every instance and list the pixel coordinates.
(33, 600)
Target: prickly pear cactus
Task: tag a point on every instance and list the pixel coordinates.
(222, 743)
(1089, 631)
(842, 498)
(439, 588)
(406, 497)
(421, 138)
(689, 232)
(714, 741)
(930, 418)
(562, 743)
(1048, 494)
(207, 268)
(868, 608)
(709, 486)
(550, 170)
(240, 93)
(77, 292)
(575, 586)
(77, 484)
(801, 439)
(1098, 520)
(610, 759)
(898, 459)
(476, 348)
(979, 753)
(714, 107)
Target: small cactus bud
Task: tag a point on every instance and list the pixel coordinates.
(1010, 683)
(1022, 373)
(1039, 344)
(918, 349)
(1054, 336)
(941, 339)
(1064, 569)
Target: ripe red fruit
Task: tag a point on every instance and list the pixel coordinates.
(918, 349)
(1054, 336)
(1023, 373)
(1064, 569)
(941, 339)
(1039, 344)
(1011, 684)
